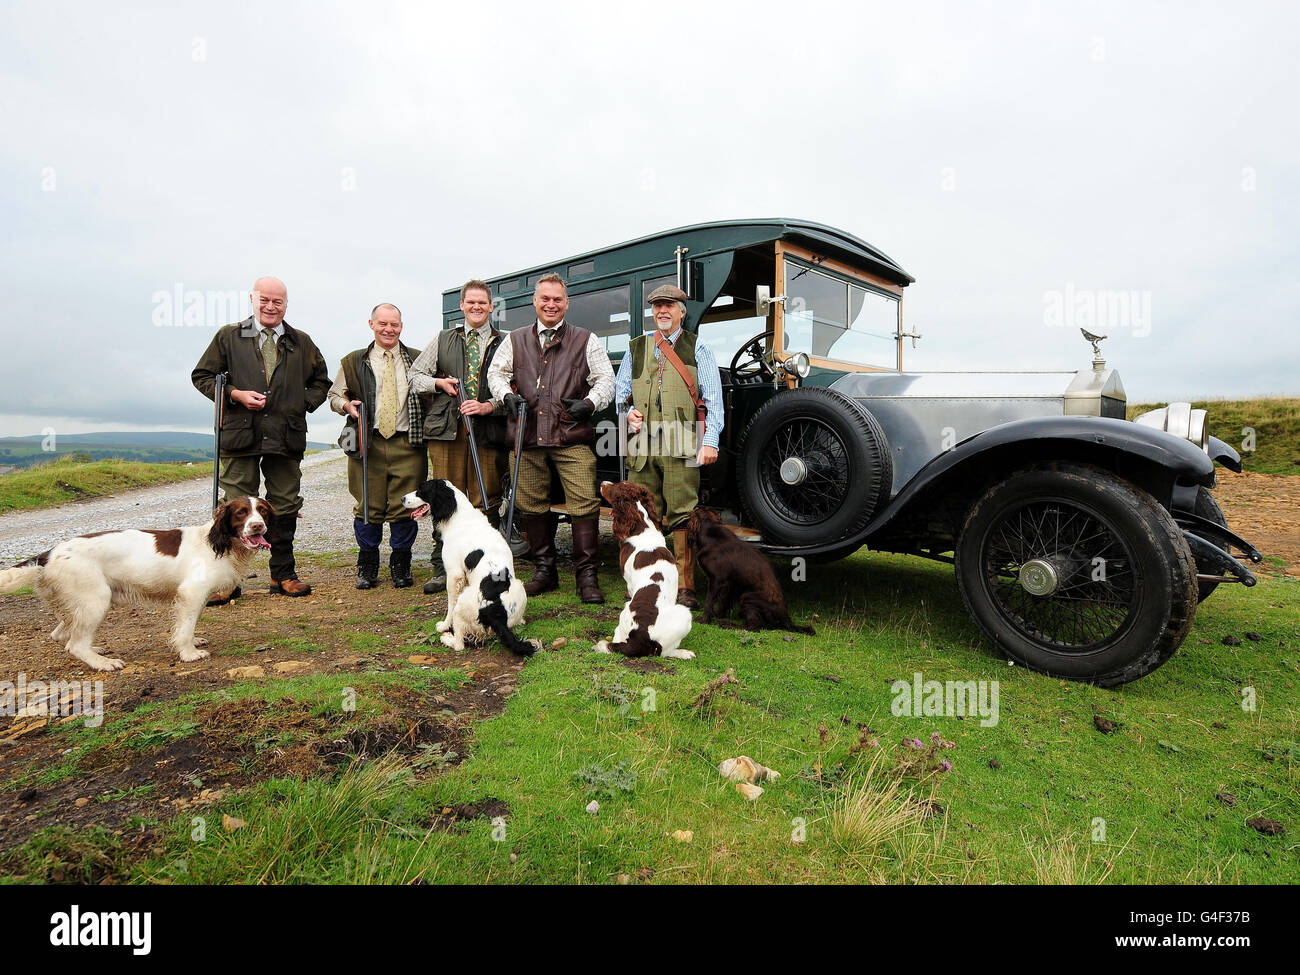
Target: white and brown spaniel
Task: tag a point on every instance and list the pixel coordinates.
(652, 622)
(81, 578)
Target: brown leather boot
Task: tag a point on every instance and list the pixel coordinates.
(224, 596)
(284, 580)
(586, 541)
(685, 569)
(290, 587)
(540, 530)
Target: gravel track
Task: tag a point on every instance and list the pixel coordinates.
(326, 525)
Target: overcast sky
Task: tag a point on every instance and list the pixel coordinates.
(1010, 156)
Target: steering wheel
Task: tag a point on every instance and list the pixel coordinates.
(750, 361)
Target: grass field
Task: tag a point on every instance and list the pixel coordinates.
(1043, 795)
(61, 481)
(1275, 424)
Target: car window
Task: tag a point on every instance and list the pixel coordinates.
(829, 318)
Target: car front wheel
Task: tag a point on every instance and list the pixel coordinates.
(1075, 573)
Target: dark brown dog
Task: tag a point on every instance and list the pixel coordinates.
(737, 570)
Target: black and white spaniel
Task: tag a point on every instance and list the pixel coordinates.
(81, 578)
(482, 591)
(652, 622)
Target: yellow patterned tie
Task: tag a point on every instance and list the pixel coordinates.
(473, 359)
(268, 352)
(388, 398)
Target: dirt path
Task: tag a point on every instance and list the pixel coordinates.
(326, 525)
(1264, 509)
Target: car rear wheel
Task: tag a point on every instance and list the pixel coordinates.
(1072, 572)
(814, 467)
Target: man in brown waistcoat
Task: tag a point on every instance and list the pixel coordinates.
(463, 355)
(277, 377)
(376, 376)
(563, 374)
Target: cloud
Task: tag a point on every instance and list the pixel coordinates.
(388, 152)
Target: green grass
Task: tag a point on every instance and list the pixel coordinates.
(61, 481)
(1065, 802)
(1276, 426)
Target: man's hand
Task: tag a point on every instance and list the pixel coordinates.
(353, 409)
(473, 407)
(512, 403)
(579, 409)
(446, 384)
(248, 399)
(707, 455)
(634, 420)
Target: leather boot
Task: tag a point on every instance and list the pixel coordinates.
(367, 569)
(439, 580)
(540, 530)
(284, 580)
(224, 596)
(685, 569)
(399, 567)
(586, 540)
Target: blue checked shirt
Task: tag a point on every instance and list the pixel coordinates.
(706, 368)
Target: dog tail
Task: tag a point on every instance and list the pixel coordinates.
(23, 574)
(493, 617)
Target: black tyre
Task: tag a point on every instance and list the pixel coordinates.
(1077, 574)
(814, 467)
(1208, 509)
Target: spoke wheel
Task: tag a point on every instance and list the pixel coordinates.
(1076, 573)
(814, 466)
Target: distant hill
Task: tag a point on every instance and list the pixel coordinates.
(150, 446)
(1266, 432)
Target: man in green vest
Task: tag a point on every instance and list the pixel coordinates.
(463, 355)
(277, 376)
(671, 380)
(376, 376)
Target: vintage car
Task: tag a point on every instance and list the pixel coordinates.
(1082, 542)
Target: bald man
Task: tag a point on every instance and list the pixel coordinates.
(276, 377)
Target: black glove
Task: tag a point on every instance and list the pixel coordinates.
(512, 403)
(579, 409)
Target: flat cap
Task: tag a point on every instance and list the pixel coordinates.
(667, 292)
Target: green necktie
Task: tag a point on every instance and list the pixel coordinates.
(549, 338)
(269, 358)
(473, 359)
(388, 398)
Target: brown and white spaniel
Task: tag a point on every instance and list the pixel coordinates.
(737, 570)
(651, 622)
(81, 578)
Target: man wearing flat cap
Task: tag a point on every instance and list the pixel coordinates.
(671, 380)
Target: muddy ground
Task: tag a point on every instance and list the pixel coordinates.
(150, 771)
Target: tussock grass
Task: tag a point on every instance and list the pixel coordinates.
(61, 481)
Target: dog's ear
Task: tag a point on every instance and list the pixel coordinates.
(648, 502)
(442, 502)
(221, 536)
(627, 520)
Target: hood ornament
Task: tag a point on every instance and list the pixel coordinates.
(1098, 363)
